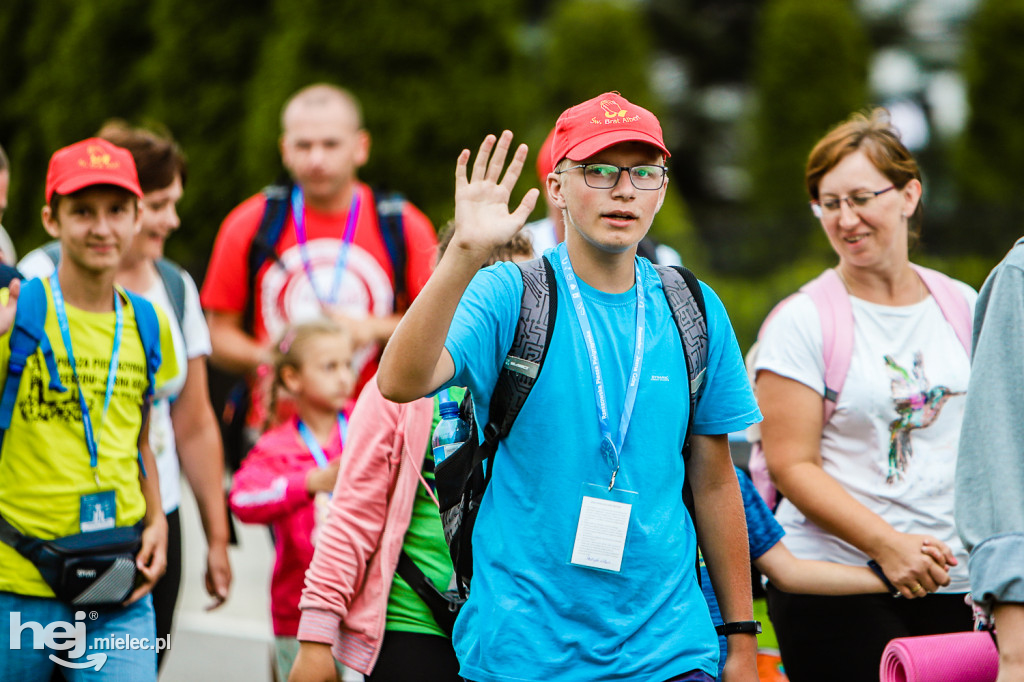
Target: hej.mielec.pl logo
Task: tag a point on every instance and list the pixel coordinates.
(72, 638)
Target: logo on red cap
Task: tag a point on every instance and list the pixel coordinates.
(612, 109)
(613, 112)
(98, 159)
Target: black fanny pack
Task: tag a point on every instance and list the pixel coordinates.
(444, 606)
(94, 569)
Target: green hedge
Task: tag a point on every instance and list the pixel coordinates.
(810, 74)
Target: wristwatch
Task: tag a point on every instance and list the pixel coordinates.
(746, 627)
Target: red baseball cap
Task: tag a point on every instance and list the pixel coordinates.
(91, 162)
(585, 129)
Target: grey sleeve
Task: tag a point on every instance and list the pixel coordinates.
(989, 507)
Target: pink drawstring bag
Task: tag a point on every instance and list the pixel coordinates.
(955, 657)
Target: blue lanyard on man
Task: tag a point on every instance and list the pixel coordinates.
(341, 263)
(91, 436)
(314, 447)
(611, 446)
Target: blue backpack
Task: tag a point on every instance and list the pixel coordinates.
(28, 335)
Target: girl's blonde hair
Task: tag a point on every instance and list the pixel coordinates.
(289, 351)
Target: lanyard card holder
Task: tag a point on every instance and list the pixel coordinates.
(602, 530)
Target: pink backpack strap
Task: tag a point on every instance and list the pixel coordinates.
(757, 465)
(951, 302)
(836, 313)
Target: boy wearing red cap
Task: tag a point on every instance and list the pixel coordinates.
(75, 458)
(583, 551)
(550, 230)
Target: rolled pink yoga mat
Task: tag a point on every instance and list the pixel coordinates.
(956, 657)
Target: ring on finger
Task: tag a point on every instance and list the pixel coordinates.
(916, 588)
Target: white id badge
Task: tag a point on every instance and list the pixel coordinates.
(602, 528)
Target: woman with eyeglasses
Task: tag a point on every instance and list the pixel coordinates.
(866, 464)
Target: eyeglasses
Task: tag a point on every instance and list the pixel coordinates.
(606, 175)
(830, 206)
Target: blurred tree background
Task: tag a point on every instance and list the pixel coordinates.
(743, 87)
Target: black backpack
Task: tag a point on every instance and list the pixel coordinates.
(462, 478)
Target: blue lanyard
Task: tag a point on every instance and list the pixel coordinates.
(611, 446)
(299, 216)
(91, 439)
(314, 447)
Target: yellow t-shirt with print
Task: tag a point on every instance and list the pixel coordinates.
(44, 463)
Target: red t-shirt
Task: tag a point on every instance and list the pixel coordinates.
(283, 291)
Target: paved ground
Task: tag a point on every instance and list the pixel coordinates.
(235, 642)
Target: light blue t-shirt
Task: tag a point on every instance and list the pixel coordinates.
(531, 614)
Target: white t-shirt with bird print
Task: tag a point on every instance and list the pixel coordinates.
(892, 441)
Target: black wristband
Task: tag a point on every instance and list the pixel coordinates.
(745, 627)
(877, 570)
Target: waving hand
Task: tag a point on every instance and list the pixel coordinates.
(482, 216)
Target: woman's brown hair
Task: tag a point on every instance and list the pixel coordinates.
(873, 134)
(158, 158)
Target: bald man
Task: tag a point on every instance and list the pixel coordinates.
(330, 258)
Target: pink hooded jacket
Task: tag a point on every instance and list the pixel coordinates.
(348, 582)
(270, 488)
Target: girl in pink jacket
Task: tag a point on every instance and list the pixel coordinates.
(286, 479)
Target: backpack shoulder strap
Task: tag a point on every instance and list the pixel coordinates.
(264, 243)
(52, 251)
(148, 325)
(686, 300)
(173, 278)
(951, 302)
(835, 312)
(390, 209)
(27, 334)
(525, 358)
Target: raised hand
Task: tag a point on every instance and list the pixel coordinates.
(482, 216)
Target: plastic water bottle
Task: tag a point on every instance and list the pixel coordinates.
(451, 432)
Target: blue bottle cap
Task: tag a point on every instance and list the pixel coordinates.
(448, 408)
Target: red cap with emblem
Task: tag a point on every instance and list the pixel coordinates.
(598, 123)
(91, 162)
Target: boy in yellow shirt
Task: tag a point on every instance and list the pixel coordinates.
(74, 458)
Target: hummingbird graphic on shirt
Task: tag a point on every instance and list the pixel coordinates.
(917, 406)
